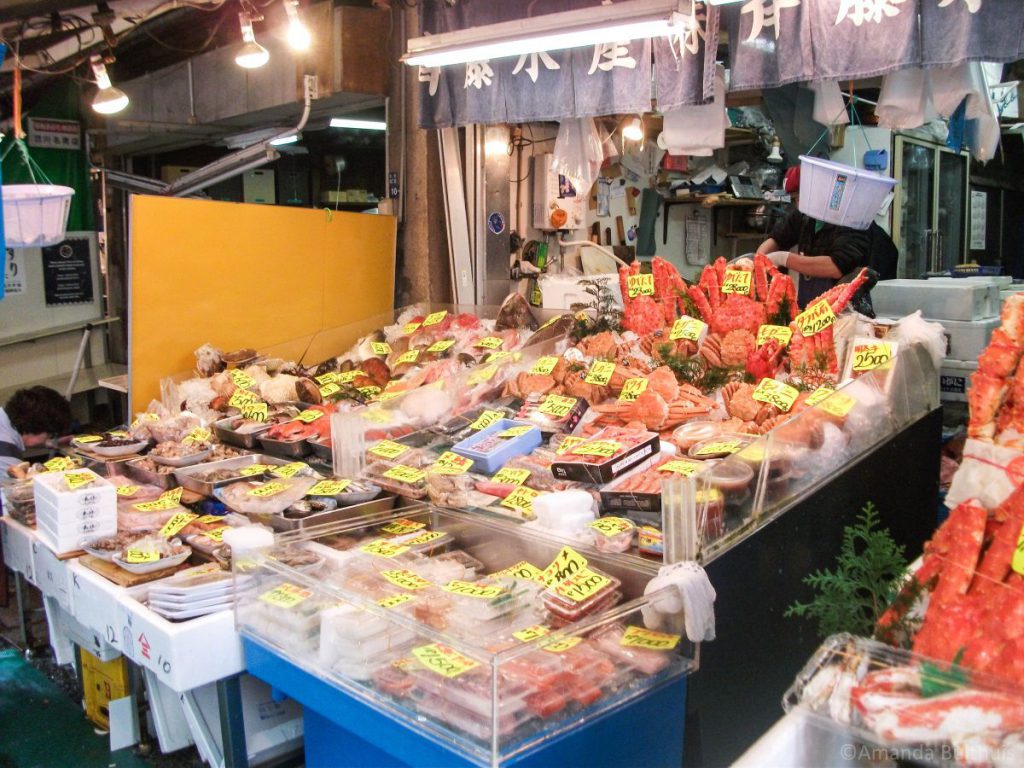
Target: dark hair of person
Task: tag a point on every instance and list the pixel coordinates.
(39, 409)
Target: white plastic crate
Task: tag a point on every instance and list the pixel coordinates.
(967, 339)
(67, 541)
(955, 379)
(943, 299)
(50, 488)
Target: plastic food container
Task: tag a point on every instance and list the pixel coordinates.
(720, 446)
(585, 592)
(687, 435)
(489, 450)
(613, 534)
(580, 464)
(731, 477)
(401, 480)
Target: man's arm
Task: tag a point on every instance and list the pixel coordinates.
(768, 246)
(814, 266)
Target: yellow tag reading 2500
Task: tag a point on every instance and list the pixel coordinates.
(737, 281)
(521, 499)
(868, 357)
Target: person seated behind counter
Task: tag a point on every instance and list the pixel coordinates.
(824, 252)
(29, 419)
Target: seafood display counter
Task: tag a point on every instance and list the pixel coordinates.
(431, 637)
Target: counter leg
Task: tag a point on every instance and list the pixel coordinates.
(232, 725)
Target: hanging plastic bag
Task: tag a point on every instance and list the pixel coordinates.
(578, 152)
(905, 100)
(829, 108)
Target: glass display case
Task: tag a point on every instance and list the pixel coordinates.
(479, 635)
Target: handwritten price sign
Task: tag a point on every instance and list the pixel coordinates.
(773, 392)
(640, 285)
(687, 328)
(544, 365)
(737, 281)
(632, 389)
(380, 348)
(557, 406)
(780, 333)
(869, 357)
(489, 342)
(816, 318)
(600, 373)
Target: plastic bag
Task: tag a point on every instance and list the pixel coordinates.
(829, 108)
(578, 152)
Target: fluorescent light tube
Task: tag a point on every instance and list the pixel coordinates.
(365, 125)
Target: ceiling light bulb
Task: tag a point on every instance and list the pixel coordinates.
(633, 130)
(298, 35)
(108, 99)
(251, 55)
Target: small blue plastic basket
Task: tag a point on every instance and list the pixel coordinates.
(492, 461)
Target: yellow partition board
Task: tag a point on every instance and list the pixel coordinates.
(239, 275)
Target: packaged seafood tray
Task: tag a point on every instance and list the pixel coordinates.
(393, 453)
(553, 413)
(203, 478)
(457, 642)
(607, 454)
(261, 501)
(640, 489)
(294, 520)
(399, 479)
(147, 471)
(494, 445)
(942, 715)
(244, 433)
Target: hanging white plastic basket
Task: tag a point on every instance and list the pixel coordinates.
(838, 194)
(35, 214)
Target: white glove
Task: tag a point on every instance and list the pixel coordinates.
(778, 258)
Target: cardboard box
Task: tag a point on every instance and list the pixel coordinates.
(609, 469)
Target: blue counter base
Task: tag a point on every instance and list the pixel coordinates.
(341, 731)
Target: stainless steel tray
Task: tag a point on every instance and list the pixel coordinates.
(320, 450)
(134, 471)
(230, 437)
(186, 476)
(374, 506)
(291, 449)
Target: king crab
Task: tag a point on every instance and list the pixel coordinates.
(725, 312)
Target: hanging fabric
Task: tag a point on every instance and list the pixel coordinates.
(955, 31)
(829, 107)
(856, 39)
(684, 67)
(697, 130)
(769, 43)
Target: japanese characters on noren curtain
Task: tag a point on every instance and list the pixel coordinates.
(772, 42)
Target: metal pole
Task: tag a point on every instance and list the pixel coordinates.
(232, 724)
(86, 332)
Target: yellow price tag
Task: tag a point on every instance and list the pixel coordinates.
(773, 392)
(240, 378)
(380, 348)
(522, 570)
(388, 449)
(549, 322)
(517, 431)
(255, 469)
(568, 443)
(724, 446)
(526, 634)
(329, 389)
(816, 318)
(737, 281)
(563, 645)
(510, 476)
(869, 357)
(600, 373)
(449, 463)
(1017, 562)
(409, 328)
(489, 342)
(176, 523)
(441, 346)
(88, 439)
(632, 389)
(255, 412)
(160, 505)
(289, 470)
(604, 448)
(818, 395)
(638, 637)
(781, 333)
(582, 585)
(838, 405)
(349, 376)
(485, 419)
(480, 375)
(424, 538)
(402, 527)
(198, 435)
(286, 595)
(681, 467)
(640, 285)
(521, 499)
(75, 480)
(327, 378)
(242, 397)
(216, 534)
(127, 490)
(369, 391)
(612, 526)
(435, 317)
(376, 415)
(268, 489)
(557, 406)
(544, 365)
(404, 474)
(468, 589)
(443, 660)
(568, 562)
(119, 433)
(383, 548)
(500, 356)
(394, 601)
(328, 488)
(309, 415)
(405, 579)
(174, 494)
(139, 556)
(408, 357)
(144, 417)
(59, 464)
(687, 328)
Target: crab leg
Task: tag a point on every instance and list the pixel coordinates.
(760, 278)
(827, 346)
(796, 346)
(702, 303)
(624, 285)
(711, 283)
(720, 269)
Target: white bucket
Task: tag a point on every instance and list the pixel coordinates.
(838, 194)
(35, 214)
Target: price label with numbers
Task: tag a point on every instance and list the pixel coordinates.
(838, 405)
(394, 601)
(819, 394)
(434, 318)
(286, 595)
(582, 585)
(408, 357)
(816, 318)
(485, 419)
(449, 463)
(88, 439)
(290, 469)
(612, 526)
(480, 375)
(328, 488)
(240, 378)
(176, 523)
(489, 342)
(1017, 561)
(563, 645)
(144, 417)
(243, 397)
(140, 556)
(370, 390)
(402, 527)
(174, 494)
(410, 328)
(255, 412)
(682, 467)
(469, 589)
(383, 548)
(198, 435)
(309, 415)
(501, 356)
(405, 579)
(568, 562)
(380, 348)
(510, 476)
(640, 285)
(217, 534)
(127, 490)
(550, 321)
(639, 637)
(688, 329)
(255, 469)
(600, 373)
(568, 443)
(160, 505)
(526, 634)
(557, 406)
(781, 333)
(404, 474)
(441, 346)
(632, 389)
(774, 392)
(443, 660)
(388, 449)
(870, 357)
(737, 281)
(327, 378)
(604, 448)
(544, 365)
(722, 446)
(522, 570)
(517, 431)
(521, 499)
(329, 389)
(59, 464)
(75, 480)
(268, 489)
(424, 538)
(349, 376)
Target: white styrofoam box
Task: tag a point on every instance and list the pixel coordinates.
(1003, 281)
(967, 339)
(51, 573)
(69, 536)
(949, 300)
(17, 544)
(562, 291)
(955, 379)
(61, 521)
(183, 655)
(94, 602)
(50, 488)
(1010, 290)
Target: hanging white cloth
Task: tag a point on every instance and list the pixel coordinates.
(687, 590)
(697, 130)
(829, 107)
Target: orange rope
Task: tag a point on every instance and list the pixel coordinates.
(18, 132)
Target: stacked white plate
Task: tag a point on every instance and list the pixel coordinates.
(194, 592)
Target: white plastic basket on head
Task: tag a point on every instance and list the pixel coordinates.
(838, 194)
(35, 214)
